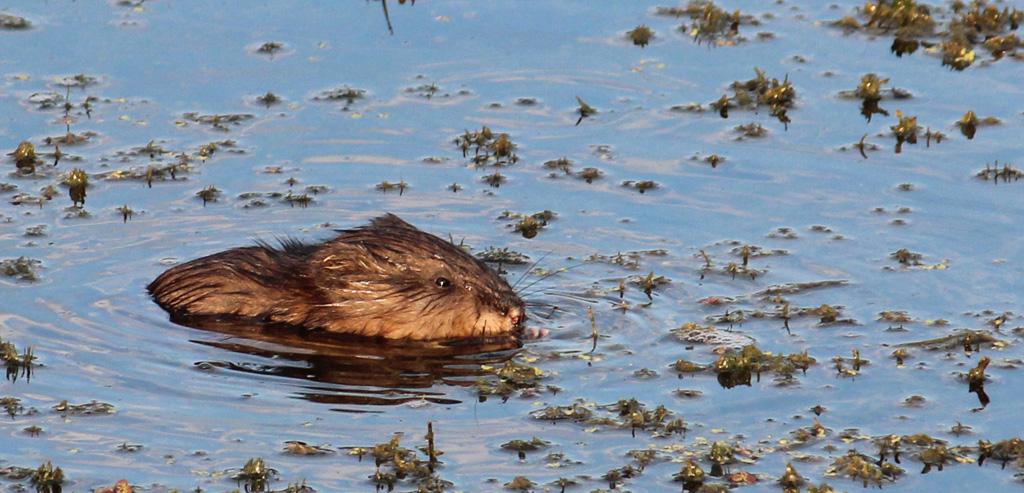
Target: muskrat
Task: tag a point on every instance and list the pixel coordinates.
(386, 279)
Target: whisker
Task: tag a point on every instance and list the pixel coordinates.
(529, 269)
(573, 296)
(549, 274)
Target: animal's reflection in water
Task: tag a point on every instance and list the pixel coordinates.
(345, 371)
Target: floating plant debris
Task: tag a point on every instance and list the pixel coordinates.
(269, 48)
(222, 122)
(255, 474)
(25, 157)
(47, 478)
(347, 94)
(583, 109)
(749, 131)
(510, 378)
(778, 96)
(561, 164)
(590, 174)
(209, 194)
(269, 99)
(13, 22)
(91, 408)
(871, 91)
(640, 35)
(913, 25)
(859, 467)
(970, 122)
(641, 186)
(22, 268)
(710, 23)
(905, 130)
(489, 148)
(295, 447)
(993, 172)
(521, 447)
(495, 179)
(387, 186)
(395, 464)
(77, 181)
(503, 256)
(528, 224)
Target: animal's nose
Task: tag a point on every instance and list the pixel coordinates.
(515, 314)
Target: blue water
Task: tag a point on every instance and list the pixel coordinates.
(99, 337)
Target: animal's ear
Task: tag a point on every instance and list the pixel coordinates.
(390, 220)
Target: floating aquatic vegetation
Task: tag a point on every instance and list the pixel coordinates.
(641, 186)
(629, 260)
(871, 91)
(649, 283)
(495, 179)
(528, 225)
(208, 149)
(914, 25)
(91, 408)
(710, 23)
(220, 121)
(24, 157)
(520, 483)
(995, 173)
(12, 406)
(269, 99)
(295, 447)
(70, 139)
(344, 93)
(153, 172)
(752, 130)
(584, 109)
(590, 174)
(905, 130)
(512, 377)
(737, 367)
(17, 364)
(521, 447)
(489, 149)
(79, 81)
(561, 164)
(691, 475)
(732, 269)
(778, 96)
(970, 122)
(255, 474)
(640, 35)
(503, 256)
(976, 382)
(859, 467)
(13, 22)
(624, 413)
(77, 182)
(693, 333)
(47, 478)
(209, 194)
(713, 159)
(270, 48)
(968, 340)
(387, 186)
(395, 463)
(1003, 451)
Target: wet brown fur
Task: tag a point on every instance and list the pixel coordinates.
(379, 280)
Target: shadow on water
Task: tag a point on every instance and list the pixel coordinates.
(348, 371)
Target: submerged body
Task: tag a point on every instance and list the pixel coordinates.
(386, 280)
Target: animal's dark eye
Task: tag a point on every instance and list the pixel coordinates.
(443, 282)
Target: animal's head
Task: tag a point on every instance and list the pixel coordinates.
(392, 280)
